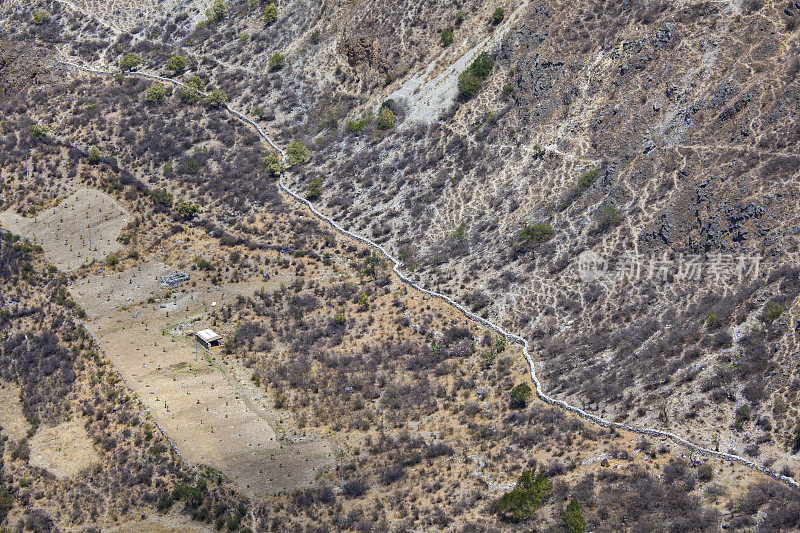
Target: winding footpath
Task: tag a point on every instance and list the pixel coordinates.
(510, 337)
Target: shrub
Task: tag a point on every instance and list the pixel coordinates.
(165, 502)
(355, 488)
(573, 518)
(39, 131)
(112, 260)
(314, 189)
(469, 81)
(187, 210)
(129, 62)
(177, 64)
(270, 13)
(705, 472)
(297, 153)
(385, 119)
(363, 302)
(273, 164)
(588, 179)
(196, 82)
(608, 217)
(538, 152)
(459, 18)
(772, 311)
(498, 15)
(315, 37)
(203, 264)
(189, 94)
(742, 416)
(217, 98)
(525, 498)
(277, 61)
(520, 396)
(6, 502)
(447, 36)
(713, 321)
(94, 155)
(40, 16)
(536, 233)
(161, 197)
(156, 93)
(217, 11)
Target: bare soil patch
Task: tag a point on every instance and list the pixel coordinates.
(64, 450)
(87, 216)
(12, 422)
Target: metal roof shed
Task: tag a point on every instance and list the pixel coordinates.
(207, 338)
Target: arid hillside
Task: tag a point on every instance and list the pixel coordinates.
(614, 182)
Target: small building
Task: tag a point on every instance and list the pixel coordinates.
(207, 338)
(174, 279)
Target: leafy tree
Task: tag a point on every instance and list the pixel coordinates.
(385, 119)
(187, 210)
(573, 517)
(270, 13)
(447, 36)
(129, 62)
(297, 153)
(217, 11)
(314, 189)
(39, 131)
(274, 164)
(536, 233)
(40, 16)
(94, 155)
(277, 61)
(156, 93)
(177, 64)
(520, 396)
(498, 15)
(521, 503)
(217, 98)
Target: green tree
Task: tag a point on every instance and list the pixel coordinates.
(520, 396)
(217, 98)
(39, 131)
(385, 119)
(217, 11)
(521, 503)
(40, 16)
(447, 36)
(196, 82)
(314, 189)
(129, 62)
(742, 416)
(498, 15)
(94, 155)
(177, 64)
(156, 93)
(297, 153)
(274, 164)
(270, 13)
(459, 18)
(573, 517)
(187, 210)
(277, 61)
